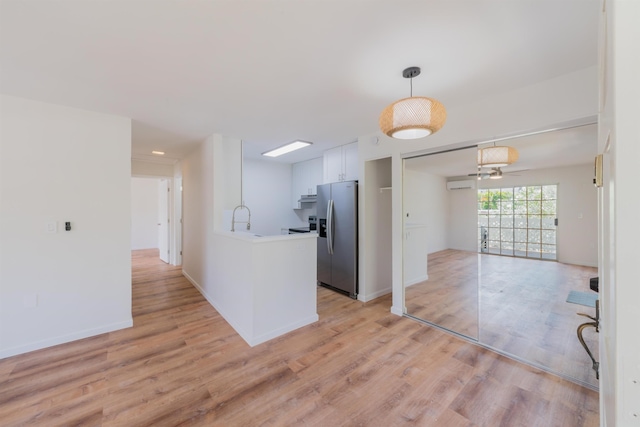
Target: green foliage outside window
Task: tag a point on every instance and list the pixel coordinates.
(490, 199)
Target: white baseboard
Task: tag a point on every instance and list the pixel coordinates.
(62, 339)
(397, 311)
(374, 295)
(416, 280)
(281, 331)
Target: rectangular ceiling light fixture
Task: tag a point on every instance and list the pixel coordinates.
(159, 153)
(295, 145)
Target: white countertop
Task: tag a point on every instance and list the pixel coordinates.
(258, 238)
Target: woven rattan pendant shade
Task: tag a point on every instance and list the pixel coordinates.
(497, 156)
(413, 117)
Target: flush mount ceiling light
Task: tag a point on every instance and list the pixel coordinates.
(496, 156)
(295, 145)
(413, 117)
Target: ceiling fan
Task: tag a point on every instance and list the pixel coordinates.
(493, 173)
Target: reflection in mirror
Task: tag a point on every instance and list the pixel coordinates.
(440, 246)
(508, 262)
(530, 263)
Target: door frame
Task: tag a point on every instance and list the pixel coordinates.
(174, 202)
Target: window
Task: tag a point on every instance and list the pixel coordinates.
(518, 221)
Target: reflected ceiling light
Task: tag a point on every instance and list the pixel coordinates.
(496, 156)
(292, 146)
(413, 117)
(496, 174)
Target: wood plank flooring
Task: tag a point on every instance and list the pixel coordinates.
(522, 307)
(359, 365)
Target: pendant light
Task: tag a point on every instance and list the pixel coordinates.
(413, 117)
(497, 156)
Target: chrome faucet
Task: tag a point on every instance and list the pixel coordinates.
(233, 218)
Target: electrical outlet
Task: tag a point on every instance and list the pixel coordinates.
(52, 227)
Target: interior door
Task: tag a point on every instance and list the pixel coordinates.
(163, 219)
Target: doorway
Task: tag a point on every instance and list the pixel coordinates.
(156, 212)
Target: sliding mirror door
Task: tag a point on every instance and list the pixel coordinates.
(505, 256)
(440, 240)
(537, 233)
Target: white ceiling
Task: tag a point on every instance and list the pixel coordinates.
(271, 71)
(566, 147)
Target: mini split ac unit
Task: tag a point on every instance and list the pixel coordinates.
(461, 185)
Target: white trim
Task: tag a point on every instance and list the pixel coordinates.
(396, 311)
(374, 295)
(417, 280)
(62, 339)
(281, 331)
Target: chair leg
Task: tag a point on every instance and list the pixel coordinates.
(581, 328)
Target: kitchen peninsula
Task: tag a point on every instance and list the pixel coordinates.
(267, 284)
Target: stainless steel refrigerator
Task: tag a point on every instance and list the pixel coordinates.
(337, 211)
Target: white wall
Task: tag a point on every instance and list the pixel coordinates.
(376, 198)
(144, 213)
(197, 212)
(61, 164)
(145, 168)
(577, 232)
(426, 202)
(267, 192)
(619, 142)
(227, 182)
(463, 220)
(565, 99)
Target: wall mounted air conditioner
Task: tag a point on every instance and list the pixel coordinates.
(461, 185)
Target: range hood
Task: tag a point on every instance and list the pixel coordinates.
(308, 198)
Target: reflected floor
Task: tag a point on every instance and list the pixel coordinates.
(523, 308)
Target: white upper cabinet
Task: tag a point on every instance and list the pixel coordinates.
(341, 163)
(305, 177)
(333, 165)
(350, 152)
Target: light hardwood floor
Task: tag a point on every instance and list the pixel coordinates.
(359, 365)
(522, 307)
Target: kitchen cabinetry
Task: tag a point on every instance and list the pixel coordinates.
(341, 163)
(305, 177)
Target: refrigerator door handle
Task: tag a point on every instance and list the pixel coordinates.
(330, 226)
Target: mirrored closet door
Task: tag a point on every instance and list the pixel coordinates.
(440, 244)
(505, 255)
